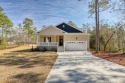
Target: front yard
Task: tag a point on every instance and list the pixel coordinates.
(25, 66)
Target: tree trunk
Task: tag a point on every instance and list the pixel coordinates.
(108, 40)
(118, 39)
(2, 37)
(97, 26)
(2, 33)
(28, 38)
(123, 42)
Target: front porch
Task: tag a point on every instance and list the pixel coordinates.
(51, 42)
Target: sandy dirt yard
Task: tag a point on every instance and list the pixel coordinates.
(20, 65)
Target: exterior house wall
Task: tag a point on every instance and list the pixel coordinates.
(57, 38)
(79, 38)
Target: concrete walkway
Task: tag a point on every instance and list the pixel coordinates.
(78, 67)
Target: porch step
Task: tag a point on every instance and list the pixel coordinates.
(60, 49)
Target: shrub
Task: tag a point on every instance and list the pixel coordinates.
(53, 49)
(37, 49)
(44, 49)
(2, 47)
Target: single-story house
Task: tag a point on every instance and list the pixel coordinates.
(62, 37)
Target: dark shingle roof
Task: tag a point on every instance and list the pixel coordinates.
(65, 27)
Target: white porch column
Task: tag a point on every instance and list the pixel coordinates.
(56, 40)
(64, 37)
(38, 39)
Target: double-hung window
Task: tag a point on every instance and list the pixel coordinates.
(47, 39)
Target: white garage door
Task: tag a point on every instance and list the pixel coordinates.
(76, 46)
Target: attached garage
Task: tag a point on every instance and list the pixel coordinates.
(76, 46)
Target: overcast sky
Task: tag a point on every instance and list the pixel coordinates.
(47, 12)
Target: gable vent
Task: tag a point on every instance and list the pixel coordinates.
(63, 26)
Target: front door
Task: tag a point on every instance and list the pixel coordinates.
(61, 41)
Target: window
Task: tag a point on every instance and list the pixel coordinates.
(47, 39)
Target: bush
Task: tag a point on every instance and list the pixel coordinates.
(2, 47)
(44, 49)
(53, 49)
(35, 49)
(112, 46)
(4, 41)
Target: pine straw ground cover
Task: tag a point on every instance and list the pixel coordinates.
(118, 57)
(25, 66)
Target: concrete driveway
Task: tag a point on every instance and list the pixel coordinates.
(78, 67)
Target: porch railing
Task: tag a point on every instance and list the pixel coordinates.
(47, 43)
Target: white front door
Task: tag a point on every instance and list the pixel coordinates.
(76, 46)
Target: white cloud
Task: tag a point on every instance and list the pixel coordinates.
(5, 3)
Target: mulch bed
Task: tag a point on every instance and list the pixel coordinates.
(118, 57)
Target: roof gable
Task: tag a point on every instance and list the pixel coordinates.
(67, 28)
(51, 30)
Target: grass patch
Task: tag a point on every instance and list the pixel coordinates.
(25, 66)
